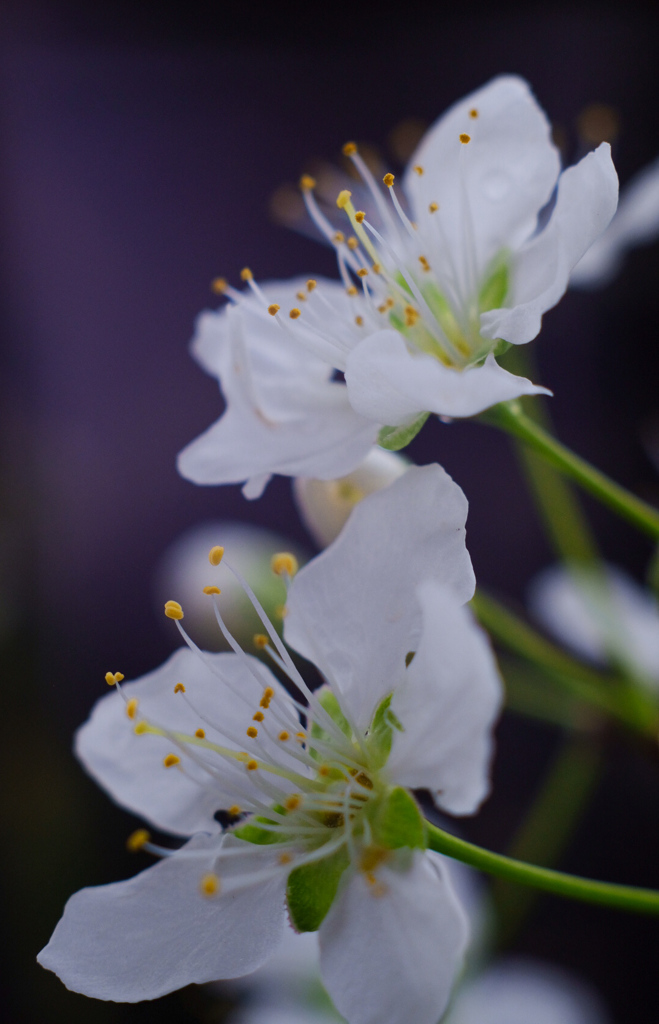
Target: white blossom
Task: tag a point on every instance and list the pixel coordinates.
(325, 819)
(434, 283)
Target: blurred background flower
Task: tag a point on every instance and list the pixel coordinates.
(142, 143)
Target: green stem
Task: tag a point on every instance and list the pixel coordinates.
(509, 416)
(624, 897)
(610, 694)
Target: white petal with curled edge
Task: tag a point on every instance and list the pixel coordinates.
(390, 384)
(352, 610)
(447, 703)
(390, 952)
(130, 767)
(586, 201)
(154, 933)
(636, 223)
(489, 191)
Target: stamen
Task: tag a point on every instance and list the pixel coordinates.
(234, 811)
(389, 180)
(131, 707)
(252, 766)
(464, 138)
(215, 555)
(433, 208)
(295, 313)
(246, 274)
(137, 840)
(273, 309)
(311, 284)
(252, 732)
(179, 688)
(258, 716)
(473, 113)
(307, 183)
(210, 885)
(112, 678)
(284, 564)
(219, 285)
(171, 760)
(211, 590)
(200, 734)
(261, 641)
(418, 169)
(173, 610)
(283, 736)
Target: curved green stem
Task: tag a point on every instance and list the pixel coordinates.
(624, 897)
(509, 416)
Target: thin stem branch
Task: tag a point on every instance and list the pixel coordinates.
(623, 897)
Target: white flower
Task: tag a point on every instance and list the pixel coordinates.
(423, 303)
(636, 223)
(619, 620)
(324, 505)
(332, 826)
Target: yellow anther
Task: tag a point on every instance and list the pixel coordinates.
(418, 169)
(349, 149)
(311, 284)
(219, 285)
(211, 590)
(376, 268)
(200, 734)
(171, 760)
(246, 274)
(359, 320)
(209, 885)
(293, 802)
(281, 611)
(284, 564)
(179, 688)
(433, 208)
(273, 309)
(268, 694)
(324, 770)
(424, 263)
(173, 610)
(284, 859)
(137, 839)
(252, 766)
(252, 732)
(360, 216)
(112, 678)
(388, 180)
(300, 735)
(307, 183)
(343, 198)
(131, 707)
(140, 728)
(301, 296)
(234, 810)
(351, 290)
(258, 716)
(295, 313)
(283, 736)
(353, 243)
(261, 640)
(382, 308)
(362, 272)
(215, 555)
(339, 237)
(473, 113)
(464, 138)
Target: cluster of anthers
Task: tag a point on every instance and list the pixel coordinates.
(302, 776)
(401, 275)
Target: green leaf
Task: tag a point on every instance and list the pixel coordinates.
(311, 889)
(395, 438)
(380, 733)
(399, 821)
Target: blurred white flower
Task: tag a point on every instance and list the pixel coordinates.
(183, 570)
(636, 222)
(324, 505)
(423, 303)
(595, 621)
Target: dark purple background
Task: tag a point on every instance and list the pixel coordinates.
(141, 144)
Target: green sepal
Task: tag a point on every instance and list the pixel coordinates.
(311, 889)
(395, 438)
(380, 733)
(251, 833)
(399, 822)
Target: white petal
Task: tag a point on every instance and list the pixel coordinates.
(579, 614)
(518, 991)
(489, 191)
(389, 384)
(586, 201)
(130, 767)
(352, 609)
(636, 223)
(391, 952)
(154, 933)
(447, 703)
(324, 505)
